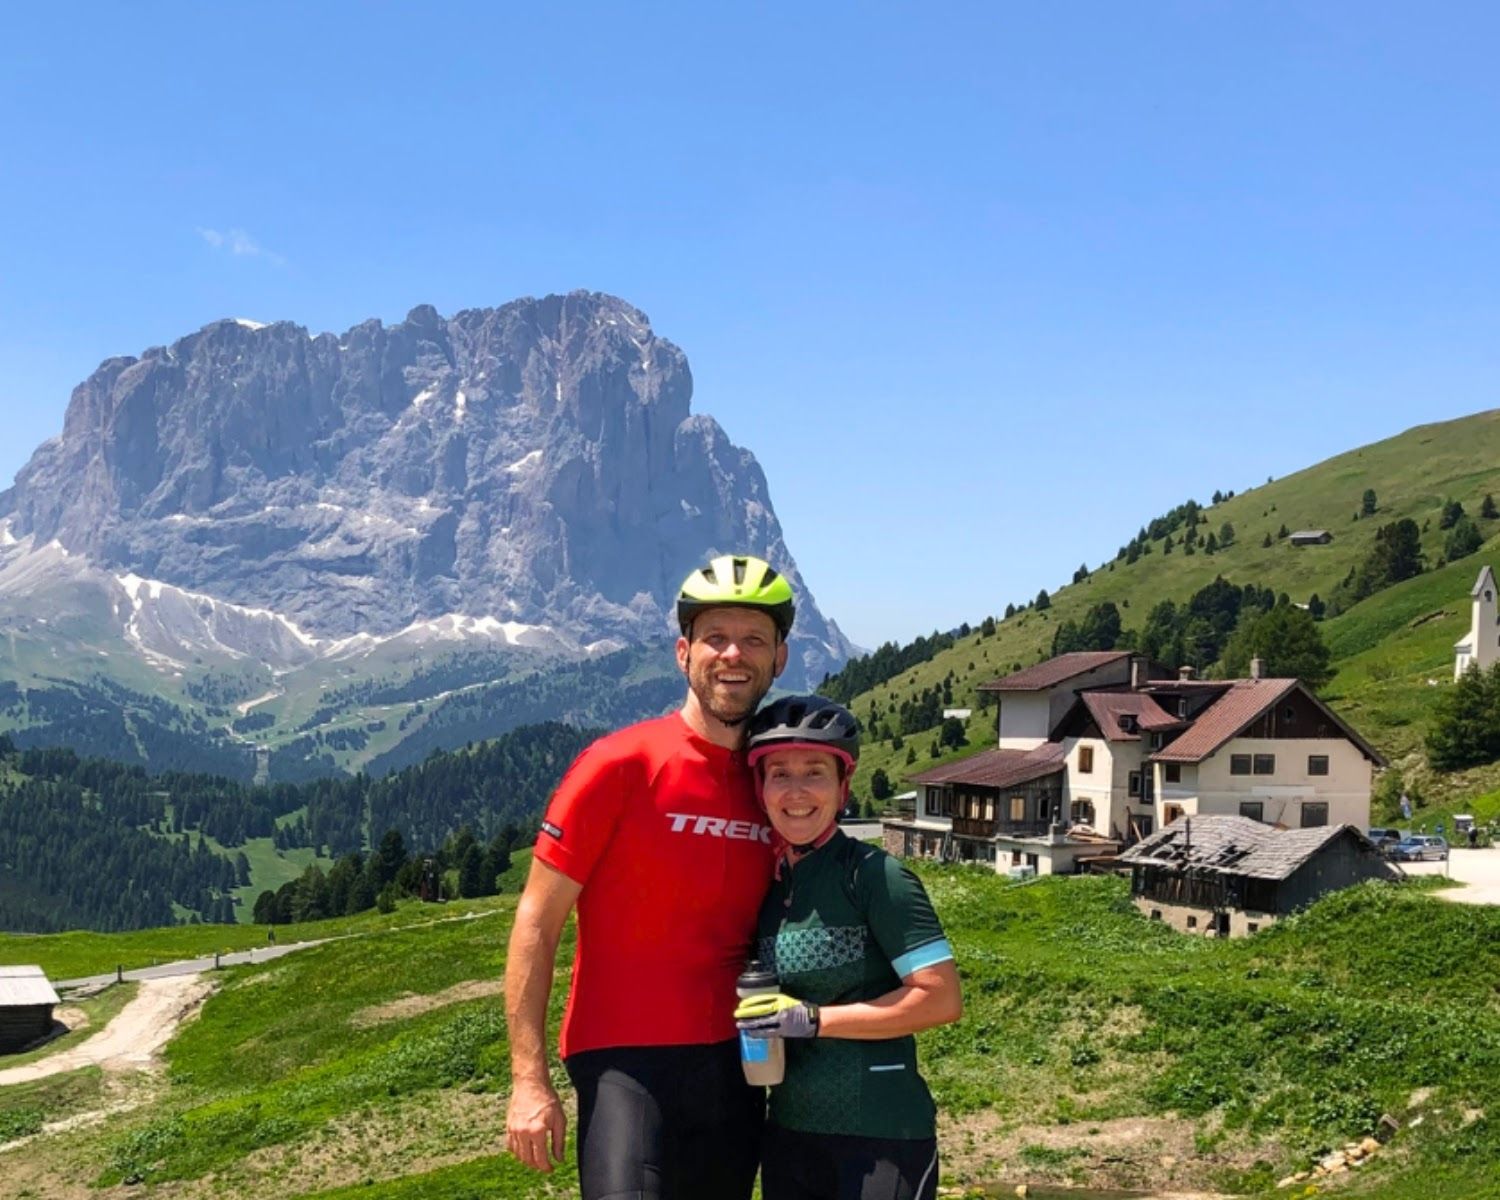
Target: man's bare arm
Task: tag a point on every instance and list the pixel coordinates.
(535, 1123)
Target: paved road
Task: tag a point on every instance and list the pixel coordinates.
(1478, 870)
(191, 966)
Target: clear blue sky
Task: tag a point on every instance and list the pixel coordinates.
(984, 287)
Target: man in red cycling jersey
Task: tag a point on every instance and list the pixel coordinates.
(655, 835)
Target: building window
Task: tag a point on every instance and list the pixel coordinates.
(1083, 812)
(1173, 772)
(1156, 740)
(1192, 922)
(1086, 760)
(1148, 784)
(1182, 706)
(1018, 808)
(1254, 809)
(1289, 715)
(1172, 813)
(1317, 764)
(1135, 783)
(1253, 926)
(989, 809)
(1239, 764)
(934, 802)
(1265, 764)
(1314, 814)
(1156, 914)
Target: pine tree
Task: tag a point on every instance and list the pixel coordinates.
(1464, 730)
(1463, 540)
(1226, 534)
(1487, 510)
(1287, 642)
(1043, 601)
(1268, 542)
(1453, 511)
(1367, 503)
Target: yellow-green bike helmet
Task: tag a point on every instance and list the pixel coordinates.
(736, 581)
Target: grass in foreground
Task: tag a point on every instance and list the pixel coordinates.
(1078, 1013)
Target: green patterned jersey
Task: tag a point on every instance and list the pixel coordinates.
(845, 924)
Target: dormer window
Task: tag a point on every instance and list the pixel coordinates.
(1488, 595)
(1128, 722)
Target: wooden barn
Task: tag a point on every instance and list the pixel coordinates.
(26, 1003)
(1228, 876)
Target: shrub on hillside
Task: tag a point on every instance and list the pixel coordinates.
(1466, 726)
(1463, 540)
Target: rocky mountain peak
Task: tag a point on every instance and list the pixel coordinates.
(537, 463)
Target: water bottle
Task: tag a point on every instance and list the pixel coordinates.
(763, 1059)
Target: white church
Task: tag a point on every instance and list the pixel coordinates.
(1481, 647)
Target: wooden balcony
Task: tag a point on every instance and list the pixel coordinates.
(978, 827)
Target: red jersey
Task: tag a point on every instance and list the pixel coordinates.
(662, 829)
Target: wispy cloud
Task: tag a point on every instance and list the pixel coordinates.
(240, 244)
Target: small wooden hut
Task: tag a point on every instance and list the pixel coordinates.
(26, 1003)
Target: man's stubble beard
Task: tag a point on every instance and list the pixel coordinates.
(702, 685)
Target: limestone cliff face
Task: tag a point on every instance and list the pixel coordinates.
(537, 463)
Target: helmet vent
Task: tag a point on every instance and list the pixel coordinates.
(739, 572)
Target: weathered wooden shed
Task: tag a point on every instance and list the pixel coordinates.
(1229, 875)
(26, 1003)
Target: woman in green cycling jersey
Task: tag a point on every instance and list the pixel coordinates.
(862, 965)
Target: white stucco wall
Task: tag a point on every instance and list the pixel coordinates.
(1345, 789)
(1023, 720)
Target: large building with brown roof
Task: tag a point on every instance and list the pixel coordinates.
(1098, 750)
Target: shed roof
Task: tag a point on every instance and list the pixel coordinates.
(999, 768)
(1230, 845)
(1055, 670)
(25, 986)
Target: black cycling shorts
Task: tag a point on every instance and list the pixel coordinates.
(826, 1166)
(666, 1123)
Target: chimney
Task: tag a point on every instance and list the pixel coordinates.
(1185, 672)
(1256, 667)
(1137, 672)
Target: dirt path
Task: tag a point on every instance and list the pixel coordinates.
(131, 1041)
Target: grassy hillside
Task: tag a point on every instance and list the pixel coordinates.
(1385, 648)
(1096, 1048)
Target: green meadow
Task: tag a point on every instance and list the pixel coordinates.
(1097, 1049)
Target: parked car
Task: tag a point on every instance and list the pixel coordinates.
(1420, 847)
(1385, 840)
